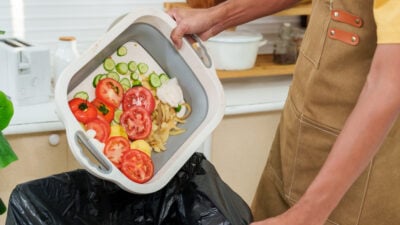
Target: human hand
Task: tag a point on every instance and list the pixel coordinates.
(279, 220)
(299, 214)
(201, 22)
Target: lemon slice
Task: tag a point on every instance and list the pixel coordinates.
(141, 145)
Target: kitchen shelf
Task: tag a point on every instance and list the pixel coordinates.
(297, 10)
(302, 8)
(264, 66)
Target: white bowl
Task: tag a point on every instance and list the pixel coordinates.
(235, 50)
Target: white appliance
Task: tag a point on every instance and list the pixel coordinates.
(25, 72)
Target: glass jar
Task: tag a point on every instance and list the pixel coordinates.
(285, 48)
(65, 52)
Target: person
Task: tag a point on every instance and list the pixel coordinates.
(335, 158)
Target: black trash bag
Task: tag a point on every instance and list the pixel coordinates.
(195, 196)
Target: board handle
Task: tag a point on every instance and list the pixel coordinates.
(200, 49)
(82, 141)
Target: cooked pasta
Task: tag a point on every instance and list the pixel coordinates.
(165, 124)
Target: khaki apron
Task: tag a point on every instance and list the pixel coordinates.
(333, 63)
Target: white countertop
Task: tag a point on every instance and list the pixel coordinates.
(246, 95)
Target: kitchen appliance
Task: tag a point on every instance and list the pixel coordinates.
(235, 50)
(25, 71)
(145, 34)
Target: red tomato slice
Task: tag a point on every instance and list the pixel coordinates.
(139, 96)
(115, 148)
(110, 92)
(102, 128)
(104, 110)
(83, 110)
(137, 122)
(137, 166)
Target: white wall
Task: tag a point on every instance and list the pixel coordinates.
(41, 22)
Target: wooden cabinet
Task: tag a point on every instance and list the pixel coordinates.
(37, 158)
(203, 3)
(240, 148)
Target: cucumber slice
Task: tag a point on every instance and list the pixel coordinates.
(82, 94)
(178, 109)
(121, 51)
(122, 68)
(132, 66)
(113, 75)
(143, 68)
(135, 76)
(136, 83)
(154, 80)
(117, 115)
(163, 78)
(97, 78)
(109, 64)
(126, 84)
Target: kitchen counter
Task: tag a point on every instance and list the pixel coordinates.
(263, 67)
(251, 94)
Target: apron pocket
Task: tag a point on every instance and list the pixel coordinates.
(313, 146)
(314, 142)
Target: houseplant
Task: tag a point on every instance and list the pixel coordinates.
(7, 155)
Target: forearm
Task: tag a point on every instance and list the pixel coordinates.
(367, 126)
(235, 12)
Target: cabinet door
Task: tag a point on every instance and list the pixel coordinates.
(240, 147)
(37, 158)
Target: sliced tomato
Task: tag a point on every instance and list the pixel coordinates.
(101, 126)
(115, 148)
(104, 110)
(110, 92)
(137, 166)
(137, 123)
(83, 110)
(139, 96)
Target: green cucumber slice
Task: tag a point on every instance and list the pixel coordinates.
(97, 78)
(163, 78)
(178, 109)
(126, 84)
(135, 76)
(113, 75)
(117, 115)
(132, 66)
(121, 51)
(136, 83)
(143, 68)
(82, 94)
(122, 68)
(154, 80)
(109, 64)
